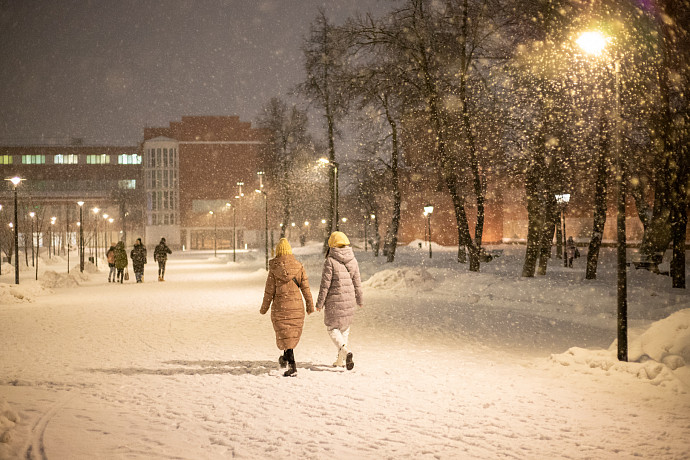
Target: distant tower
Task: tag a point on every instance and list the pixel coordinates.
(161, 173)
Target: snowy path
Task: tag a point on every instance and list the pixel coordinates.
(187, 369)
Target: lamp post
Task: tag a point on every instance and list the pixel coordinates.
(33, 251)
(16, 181)
(215, 229)
(562, 200)
(266, 224)
(52, 234)
(234, 257)
(95, 212)
(428, 209)
(81, 235)
(0, 248)
(110, 221)
(335, 166)
(594, 43)
(105, 235)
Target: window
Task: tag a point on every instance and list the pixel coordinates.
(165, 179)
(5, 159)
(127, 184)
(33, 159)
(70, 159)
(125, 159)
(165, 158)
(102, 159)
(158, 157)
(152, 158)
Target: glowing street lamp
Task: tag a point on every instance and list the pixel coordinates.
(95, 212)
(335, 166)
(81, 235)
(215, 233)
(15, 182)
(562, 200)
(263, 192)
(33, 251)
(594, 43)
(428, 209)
(234, 245)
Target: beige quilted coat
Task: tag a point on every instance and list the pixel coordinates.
(282, 295)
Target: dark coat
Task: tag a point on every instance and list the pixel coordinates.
(341, 288)
(161, 252)
(120, 256)
(138, 256)
(285, 273)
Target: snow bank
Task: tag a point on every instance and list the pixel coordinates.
(661, 354)
(8, 420)
(51, 279)
(402, 278)
(13, 293)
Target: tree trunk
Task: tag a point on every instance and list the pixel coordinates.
(547, 229)
(600, 197)
(395, 220)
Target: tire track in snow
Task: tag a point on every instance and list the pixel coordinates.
(36, 449)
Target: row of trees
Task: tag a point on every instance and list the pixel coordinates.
(469, 89)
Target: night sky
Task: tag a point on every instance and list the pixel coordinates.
(102, 70)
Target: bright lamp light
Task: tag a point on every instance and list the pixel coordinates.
(592, 42)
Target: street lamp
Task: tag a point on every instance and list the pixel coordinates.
(105, 235)
(266, 225)
(81, 235)
(15, 181)
(234, 245)
(428, 209)
(562, 200)
(95, 212)
(594, 43)
(52, 233)
(215, 229)
(33, 250)
(335, 167)
(0, 250)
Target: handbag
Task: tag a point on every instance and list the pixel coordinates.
(126, 274)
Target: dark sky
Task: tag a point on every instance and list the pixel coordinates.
(103, 69)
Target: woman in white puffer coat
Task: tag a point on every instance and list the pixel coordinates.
(340, 294)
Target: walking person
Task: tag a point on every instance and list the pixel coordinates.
(120, 261)
(286, 279)
(570, 250)
(138, 255)
(161, 255)
(339, 295)
(110, 255)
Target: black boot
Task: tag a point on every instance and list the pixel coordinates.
(282, 360)
(290, 358)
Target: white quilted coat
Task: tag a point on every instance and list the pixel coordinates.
(341, 288)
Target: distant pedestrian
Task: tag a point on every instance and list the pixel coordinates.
(161, 255)
(138, 255)
(286, 279)
(570, 250)
(110, 255)
(339, 294)
(120, 260)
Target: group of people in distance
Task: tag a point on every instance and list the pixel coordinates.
(118, 262)
(340, 293)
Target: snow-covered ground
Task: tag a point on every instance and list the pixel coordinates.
(448, 364)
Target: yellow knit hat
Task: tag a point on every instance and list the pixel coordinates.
(283, 247)
(338, 240)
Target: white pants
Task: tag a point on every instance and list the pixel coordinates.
(339, 337)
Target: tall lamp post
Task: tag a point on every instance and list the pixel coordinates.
(234, 244)
(81, 235)
(428, 209)
(215, 233)
(95, 212)
(594, 43)
(52, 233)
(33, 251)
(263, 192)
(335, 165)
(562, 200)
(15, 182)
(105, 235)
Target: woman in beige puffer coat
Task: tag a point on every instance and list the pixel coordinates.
(286, 278)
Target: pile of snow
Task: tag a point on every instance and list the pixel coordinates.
(661, 354)
(402, 278)
(20, 293)
(51, 279)
(8, 420)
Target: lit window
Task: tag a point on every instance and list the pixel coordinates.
(33, 159)
(125, 159)
(97, 159)
(127, 184)
(5, 159)
(70, 159)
